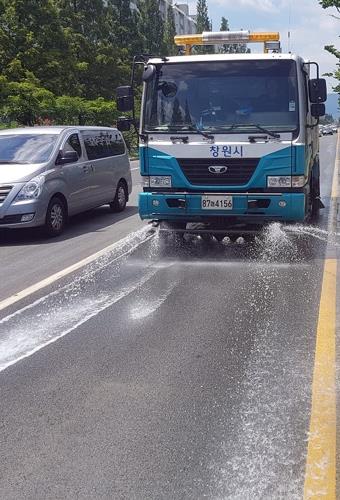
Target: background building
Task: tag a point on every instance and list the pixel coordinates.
(184, 21)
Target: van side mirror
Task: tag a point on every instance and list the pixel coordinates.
(318, 110)
(66, 157)
(124, 124)
(124, 98)
(317, 90)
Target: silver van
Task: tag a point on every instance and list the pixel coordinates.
(49, 173)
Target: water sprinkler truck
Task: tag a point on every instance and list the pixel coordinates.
(228, 142)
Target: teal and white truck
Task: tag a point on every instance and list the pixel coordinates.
(229, 141)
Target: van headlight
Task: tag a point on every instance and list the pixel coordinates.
(32, 189)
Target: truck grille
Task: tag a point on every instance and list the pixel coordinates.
(4, 192)
(238, 170)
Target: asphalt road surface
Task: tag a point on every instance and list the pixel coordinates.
(169, 373)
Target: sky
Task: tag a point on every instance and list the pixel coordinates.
(311, 26)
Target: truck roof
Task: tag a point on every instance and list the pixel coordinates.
(225, 57)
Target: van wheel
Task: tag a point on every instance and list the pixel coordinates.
(56, 215)
(120, 199)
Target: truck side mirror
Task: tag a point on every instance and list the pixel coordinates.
(318, 110)
(317, 90)
(124, 98)
(149, 72)
(123, 124)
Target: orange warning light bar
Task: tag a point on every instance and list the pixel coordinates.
(224, 37)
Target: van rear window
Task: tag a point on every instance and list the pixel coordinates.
(103, 144)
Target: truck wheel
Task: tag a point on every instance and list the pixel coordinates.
(207, 237)
(219, 237)
(120, 199)
(314, 202)
(56, 215)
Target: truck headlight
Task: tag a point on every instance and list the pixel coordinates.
(32, 189)
(163, 181)
(298, 181)
(286, 181)
(279, 181)
(146, 181)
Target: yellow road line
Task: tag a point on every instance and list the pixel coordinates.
(320, 476)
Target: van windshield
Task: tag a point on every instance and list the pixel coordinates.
(223, 96)
(26, 148)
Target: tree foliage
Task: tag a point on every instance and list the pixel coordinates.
(330, 3)
(330, 48)
(169, 33)
(61, 60)
(231, 48)
(203, 23)
(150, 26)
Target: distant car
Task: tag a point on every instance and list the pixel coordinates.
(335, 130)
(327, 130)
(49, 173)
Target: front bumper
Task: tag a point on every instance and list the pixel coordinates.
(257, 208)
(11, 215)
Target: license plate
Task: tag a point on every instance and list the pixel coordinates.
(217, 202)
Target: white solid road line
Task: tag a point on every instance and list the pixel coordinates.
(61, 274)
(20, 342)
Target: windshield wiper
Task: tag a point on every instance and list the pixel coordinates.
(256, 125)
(183, 128)
(199, 131)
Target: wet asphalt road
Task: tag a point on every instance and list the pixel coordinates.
(180, 373)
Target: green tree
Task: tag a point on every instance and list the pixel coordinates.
(61, 60)
(123, 27)
(78, 111)
(91, 28)
(203, 23)
(330, 48)
(150, 26)
(169, 33)
(24, 102)
(231, 48)
(330, 3)
(33, 42)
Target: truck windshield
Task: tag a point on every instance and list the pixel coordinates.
(26, 148)
(223, 96)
